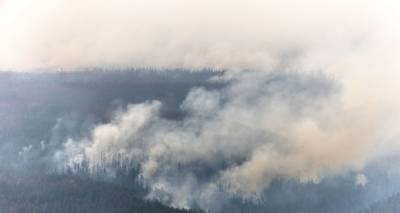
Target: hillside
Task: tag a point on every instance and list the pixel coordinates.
(65, 193)
(389, 205)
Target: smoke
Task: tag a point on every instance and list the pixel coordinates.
(54, 34)
(234, 141)
(361, 180)
(320, 99)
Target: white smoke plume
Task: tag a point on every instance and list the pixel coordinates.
(323, 119)
(234, 141)
(361, 180)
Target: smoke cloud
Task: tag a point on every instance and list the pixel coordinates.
(320, 99)
(234, 141)
(220, 34)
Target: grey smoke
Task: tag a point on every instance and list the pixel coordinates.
(70, 105)
(334, 115)
(45, 109)
(234, 141)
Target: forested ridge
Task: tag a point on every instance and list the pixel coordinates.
(64, 193)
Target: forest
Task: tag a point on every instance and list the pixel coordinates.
(40, 112)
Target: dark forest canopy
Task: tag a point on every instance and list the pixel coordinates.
(40, 111)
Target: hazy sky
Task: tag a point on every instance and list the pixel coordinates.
(221, 34)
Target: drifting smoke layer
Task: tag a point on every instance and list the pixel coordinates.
(266, 125)
(220, 34)
(234, 141)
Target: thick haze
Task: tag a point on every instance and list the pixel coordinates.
(52, 34)
(311, 88)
